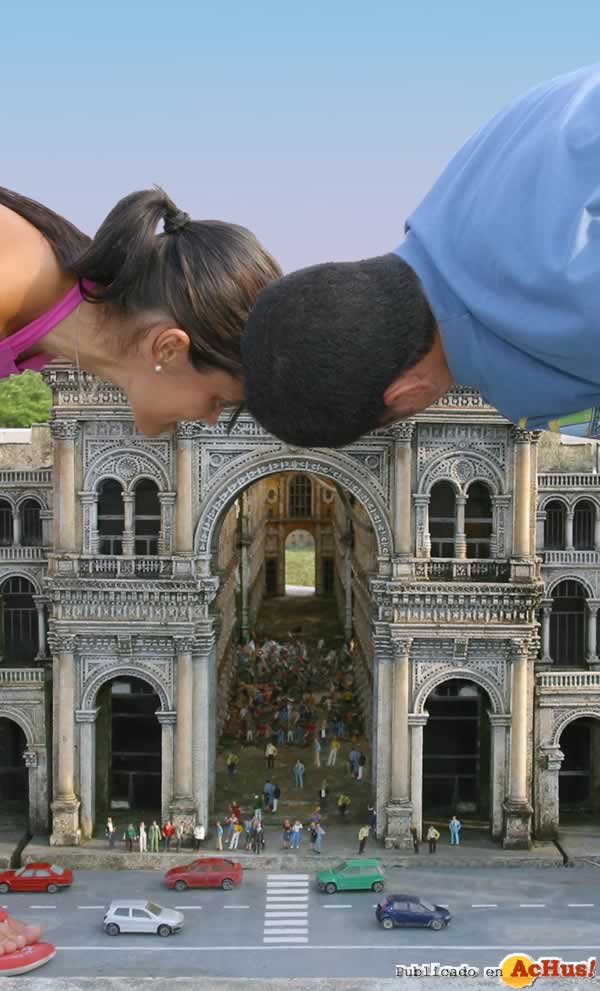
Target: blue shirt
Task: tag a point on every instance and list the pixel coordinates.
(507, 247)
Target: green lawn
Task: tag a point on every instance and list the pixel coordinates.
(300, 567)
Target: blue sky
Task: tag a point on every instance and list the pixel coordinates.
(319, 125)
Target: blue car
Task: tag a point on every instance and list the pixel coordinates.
(410, 910)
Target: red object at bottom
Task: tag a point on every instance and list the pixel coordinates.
(29, 958)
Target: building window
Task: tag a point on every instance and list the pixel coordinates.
(478, 520)
(147, 517)
(584, 519)
(31, 524)
(111, 517)
(554, 526)
(300, 496)
(6, 524)
(442, 519)
(568, 624)
(20, 620)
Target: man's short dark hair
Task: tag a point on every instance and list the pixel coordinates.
(322, 344)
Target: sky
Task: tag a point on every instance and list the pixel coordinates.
(318, 124)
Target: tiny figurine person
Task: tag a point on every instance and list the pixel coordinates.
(432, 838)
(200, 835)
(219, 836)
(154, 837)
(109, 832)
(363, 835)
(143, 838)
(455, 826)
(178, 837)
(130, 837)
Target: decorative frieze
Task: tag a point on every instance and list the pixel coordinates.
(454, 603)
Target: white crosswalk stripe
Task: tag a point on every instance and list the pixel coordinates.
(286, 909)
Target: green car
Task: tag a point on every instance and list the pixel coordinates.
(352, 875)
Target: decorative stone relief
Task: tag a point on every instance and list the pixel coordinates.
(95, 672)
(462, 469)
(563, 715)
(101, 461)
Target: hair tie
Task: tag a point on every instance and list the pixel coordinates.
(176, 221)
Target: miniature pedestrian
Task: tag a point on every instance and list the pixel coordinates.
(258, 807)
(232, 760)
(415, 838)
(296, 834)
(168, 831)
(219, 832)
(333, 752)
(130, 836)
(154, 836)
(363, 835)
(276, 797)
(362, 760)
(286, 834)
(343, 804)
(299, 774)
(270, 754)
(371, 817)
(432, 838)
(199, 835)
(323, 794)
(268, 796)
(353, 759)
(109, 832)
(455, 826)
(143, 838)
(178, 837)
(258, 842)
(319, 834)
(238, 829)
(317, 751)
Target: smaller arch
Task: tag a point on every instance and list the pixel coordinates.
(544, 500)
(22, 721)
(108, 466)
(27, 575)
(94, 684)
(478, 469)
(34, 496)
(555, 582)
(590, 713)
(466, 674)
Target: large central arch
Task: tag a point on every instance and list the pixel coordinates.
(334, 466)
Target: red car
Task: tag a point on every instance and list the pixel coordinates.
(210, 872)
(36, 877)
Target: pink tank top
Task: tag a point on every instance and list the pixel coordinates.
(11, 347)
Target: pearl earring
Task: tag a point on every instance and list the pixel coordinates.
(158, 368)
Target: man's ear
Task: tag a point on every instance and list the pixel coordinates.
(403, 390)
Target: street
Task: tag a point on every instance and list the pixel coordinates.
(279, 925)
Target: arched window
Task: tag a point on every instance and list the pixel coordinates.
(568, 624)
(31, 524)
(478, 520)
(147, 517)
(554, 526)
(584, 519)
(111, 517)
(6, 524)
(20, 620)
(442, 519)
(300, 496)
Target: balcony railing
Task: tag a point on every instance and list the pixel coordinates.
(125, 567)
(568, 680)
(21, 676)
(459, 569)
(25, 476)
(571, 557)
(568, 480)
(18, 552)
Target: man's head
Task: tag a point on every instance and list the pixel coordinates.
(336, 350)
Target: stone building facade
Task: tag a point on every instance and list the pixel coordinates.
(438, 538)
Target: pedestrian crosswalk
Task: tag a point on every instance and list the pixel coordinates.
(286, 909)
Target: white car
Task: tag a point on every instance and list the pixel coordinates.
(141, 917)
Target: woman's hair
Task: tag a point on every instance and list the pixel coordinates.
(204, 275)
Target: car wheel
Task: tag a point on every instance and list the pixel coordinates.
(164, 930)
(180, 886)
(227, 884)
(378, 886)
(437, 924)
(387, 924)
(4, 888)
(51, 889)
(113, 929)
(331, 888)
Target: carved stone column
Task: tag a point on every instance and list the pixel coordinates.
(423, 539)
(382, 722)
(65, 808)
(17, 536)
(128, 541)
(517, 806)
(416, 722)
(167, 722)
(549, 761)
(399, 809)
(522, 494)
(460, 538)
(569, 529)
(64, 434)
(86, 718)
(182, 809)
(403, 433)
(499, 725)
(592, 631)
(89, 507)
(167, 509)
(546, 614)
(597, 531)
(40, 603)
(540, 521)
(184, 526)
(46, 517)
(203, 658)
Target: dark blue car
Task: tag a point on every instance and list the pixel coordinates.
(410, 910)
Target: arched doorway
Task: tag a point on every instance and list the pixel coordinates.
(568, 624)
(14, 784)
(579, 775)
(128, 748)
(300, 563)
(457, 751)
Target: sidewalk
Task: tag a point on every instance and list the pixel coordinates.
(476, 850)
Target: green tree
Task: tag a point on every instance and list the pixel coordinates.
(24, 399)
